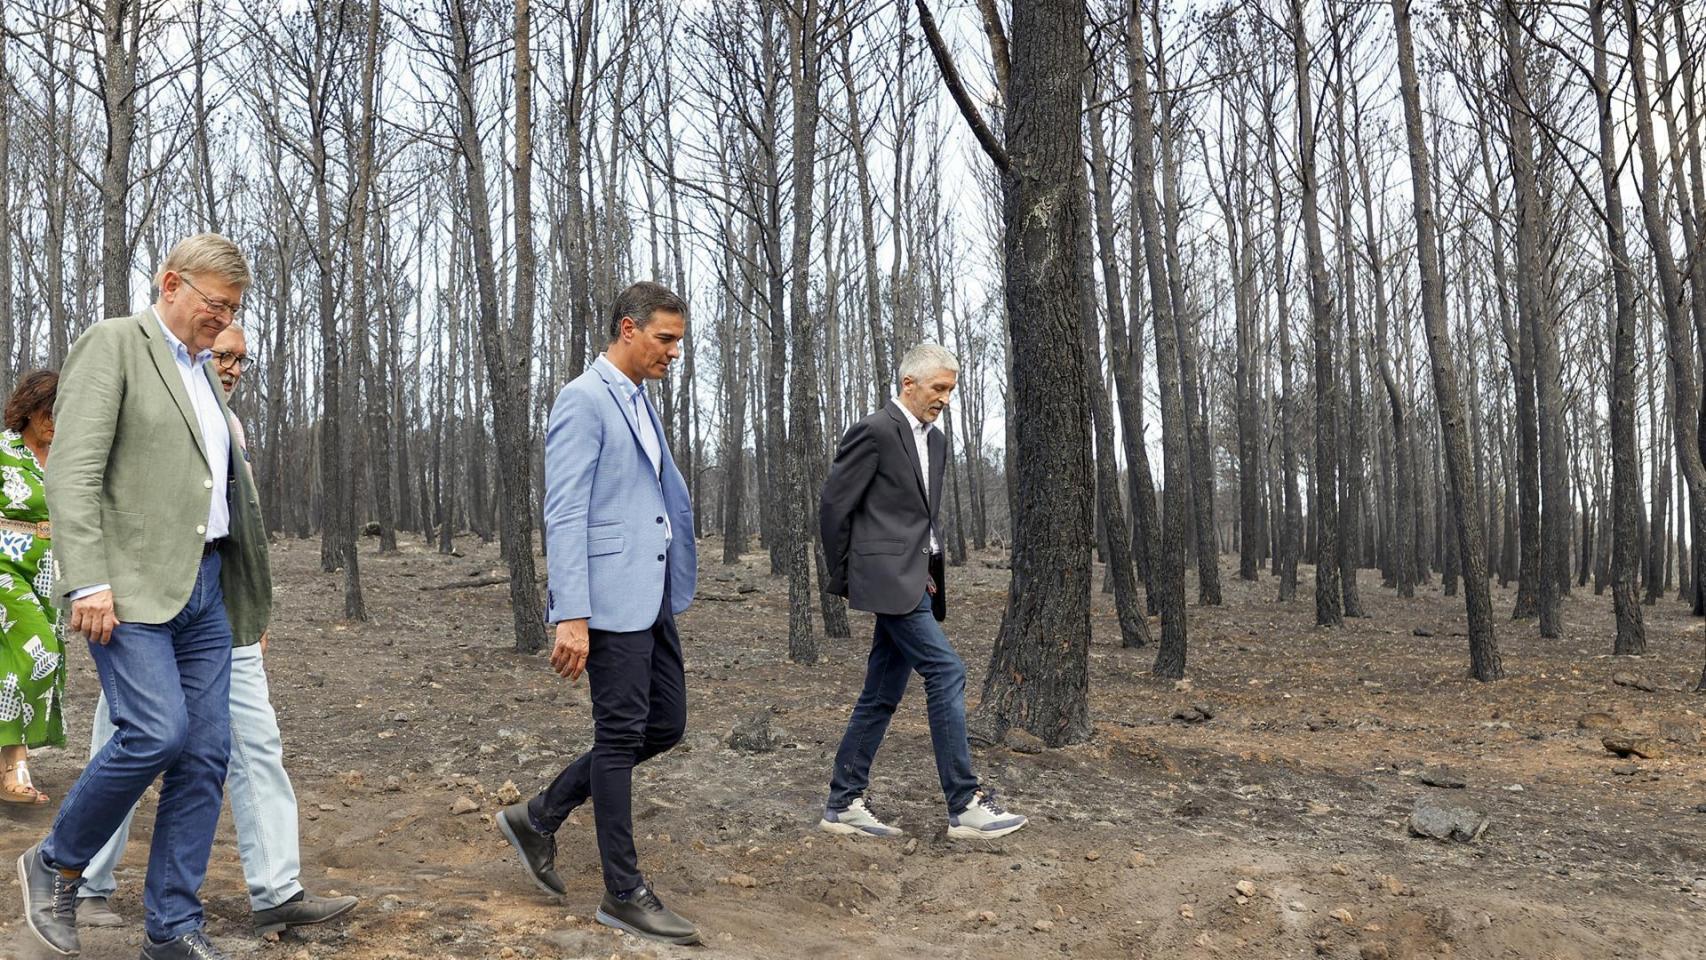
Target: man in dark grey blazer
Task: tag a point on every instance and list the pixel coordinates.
(883, 541)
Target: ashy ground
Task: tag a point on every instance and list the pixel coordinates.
(1280, 825)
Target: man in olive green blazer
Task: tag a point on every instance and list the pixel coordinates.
(161, 554)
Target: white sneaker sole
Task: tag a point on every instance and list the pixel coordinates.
(848, 830)
(973, 833)
(23, 887)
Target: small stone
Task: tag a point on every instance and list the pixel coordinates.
(1318, 809)
(1393, 886)
(740, 880)
(1297, 906)
(1138, 859)
(986, 916)
(463, 805)
(1374, 951)
(1625, 770)
(1043, 926)
(1093, 856)
(1244, 888)
(1024, 741)
(328, 808)
(1447, 823)
(509, 793)
(1596, 721)
(393, 785)
(1644, 747)
(1623, 678)
(1341, 870)
(911, 846)
(1685, 732)
(1442, 778)
(1208, 710)
(1421, 632)
(1342, 915)
(1186, 913)
(1181, 686)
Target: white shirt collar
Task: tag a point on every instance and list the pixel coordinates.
(624, 379)
(918, 426)
(179, 348)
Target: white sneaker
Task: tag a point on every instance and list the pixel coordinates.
(983, 819)
(857, 820)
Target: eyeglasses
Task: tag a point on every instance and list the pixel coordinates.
(241, 361)
(217, 306)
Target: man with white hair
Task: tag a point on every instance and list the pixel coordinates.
(883, 541)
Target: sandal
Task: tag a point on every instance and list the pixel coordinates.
(17, 787)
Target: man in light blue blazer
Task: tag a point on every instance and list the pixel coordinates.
(622, 564)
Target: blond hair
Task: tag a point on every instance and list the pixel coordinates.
(207, 253)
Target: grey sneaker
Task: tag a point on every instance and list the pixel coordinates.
(538, 850)
(983, 819)
(857, 820)
(191, 946)
(97, 912)
(50, 903)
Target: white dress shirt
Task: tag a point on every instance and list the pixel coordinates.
(921, 439)
(640, 408)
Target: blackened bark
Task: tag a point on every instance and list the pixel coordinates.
(1038, 674)
(1484, 661)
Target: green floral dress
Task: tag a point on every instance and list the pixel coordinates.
(32, 660)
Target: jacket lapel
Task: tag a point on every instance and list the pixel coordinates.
(910, 445)
(167, 367)
(617, 390)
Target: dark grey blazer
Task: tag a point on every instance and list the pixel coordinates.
(875, 520)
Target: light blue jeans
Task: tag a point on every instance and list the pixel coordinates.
(263, 805)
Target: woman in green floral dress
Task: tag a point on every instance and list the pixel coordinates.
(32, 661)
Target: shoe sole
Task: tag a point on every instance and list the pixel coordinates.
(24, 887)
(611, 921)
(973, 833)
(268, 929)
(847, 830)
(515, 841)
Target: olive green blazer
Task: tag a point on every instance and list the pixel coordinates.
(128, 487)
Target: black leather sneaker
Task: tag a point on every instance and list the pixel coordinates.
(304, 909)
(191, 946)
(50, 903)
(644, 915)
(538, 850)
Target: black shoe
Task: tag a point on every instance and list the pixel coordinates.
(302, 910)
(191, 946)
(644, 915)
(538, 850)
(50, 903)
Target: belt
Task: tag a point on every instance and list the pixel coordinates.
(209, 546)
(43, 529)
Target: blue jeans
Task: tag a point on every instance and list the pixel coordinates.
(263, 804)
(902, 644)
(169, 687)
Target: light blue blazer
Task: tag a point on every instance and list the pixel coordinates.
(605, 509)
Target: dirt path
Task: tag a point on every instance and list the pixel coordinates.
(1278, 828)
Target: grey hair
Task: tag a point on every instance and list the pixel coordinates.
(640, 301)
(925, 359)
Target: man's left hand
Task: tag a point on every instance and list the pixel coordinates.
(265, 636)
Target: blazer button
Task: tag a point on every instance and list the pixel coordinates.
(660, 519)
(207, 484)
(201, 528)
(660, 558)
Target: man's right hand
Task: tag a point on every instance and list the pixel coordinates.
(93, 616)
(568, 656)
